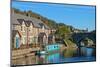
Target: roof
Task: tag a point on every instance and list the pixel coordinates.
(42, 34)
(14, 32)
(18, 19)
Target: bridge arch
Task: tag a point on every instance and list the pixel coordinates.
(86, 42)
(79, 37)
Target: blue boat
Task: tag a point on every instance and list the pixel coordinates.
(52, 47)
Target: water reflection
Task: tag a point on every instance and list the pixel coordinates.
(54, 58)
(85, 51)
(86, 54)
(67, 55)
(70, 55)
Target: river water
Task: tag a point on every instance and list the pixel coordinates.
(87, 54)
(67, 55)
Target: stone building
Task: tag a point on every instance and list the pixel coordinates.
(28, 30)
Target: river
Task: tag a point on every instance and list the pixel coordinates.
(87, 54)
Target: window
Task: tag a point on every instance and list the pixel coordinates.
(24, 40)
(21, 28)
(24, 28)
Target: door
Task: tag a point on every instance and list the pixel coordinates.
(17, 42)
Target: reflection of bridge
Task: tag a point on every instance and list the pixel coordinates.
(79, 37)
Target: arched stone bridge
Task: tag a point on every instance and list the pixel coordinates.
(78, 37)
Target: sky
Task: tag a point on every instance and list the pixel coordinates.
(78, 16)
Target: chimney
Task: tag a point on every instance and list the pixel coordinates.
(28, 13)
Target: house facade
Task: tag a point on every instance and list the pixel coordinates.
(29, 30)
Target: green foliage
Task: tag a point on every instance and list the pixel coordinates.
(52, 24)
(69, 52)
(71, 48)
(63, 30)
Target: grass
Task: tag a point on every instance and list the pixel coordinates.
(71, 48)
(70, 44)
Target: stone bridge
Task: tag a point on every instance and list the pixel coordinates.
(78, 37)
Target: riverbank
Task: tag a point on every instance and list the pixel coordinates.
(68, 45)
(67, 54)
(68, 48)
(18, 53)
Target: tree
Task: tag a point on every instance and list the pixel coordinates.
(62, 31)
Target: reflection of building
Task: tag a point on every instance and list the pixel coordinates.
(28, 30)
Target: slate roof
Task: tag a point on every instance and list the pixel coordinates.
(18, 19)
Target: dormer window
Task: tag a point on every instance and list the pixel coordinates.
(41, 25)
(20, 20)
(23, 26)
(22, 23)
